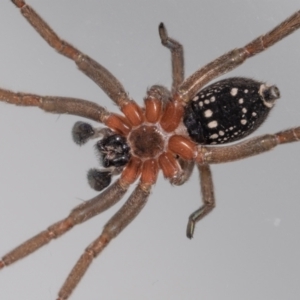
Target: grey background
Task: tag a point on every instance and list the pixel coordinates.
(248, 248)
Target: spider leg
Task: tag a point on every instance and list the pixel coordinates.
(100, 75)
(207, 191)
(177, 57)
(115, 225)
(251, 147)
(232, 59)
(213, 155)
(58, 105)
(155, 102)
(183, 176)
(78, 215)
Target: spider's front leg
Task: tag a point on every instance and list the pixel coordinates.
(58, 105)
(100, 75)
(177, 57)
(229, 61)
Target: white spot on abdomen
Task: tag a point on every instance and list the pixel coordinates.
(234, 91)
(213, 136)
(208, 113)
(212, 124)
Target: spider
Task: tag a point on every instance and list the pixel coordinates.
(174, 131)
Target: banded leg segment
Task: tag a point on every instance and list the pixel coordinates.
(78, 215)
(251, 147)
(229, 61)
(58, 105)
(100, 75)
(208, 198)
(115, 225)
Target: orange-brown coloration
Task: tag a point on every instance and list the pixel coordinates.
(18, 3)
(133, 113)
(149, 171)
(31, 100)
(118, 123)
(153, 109)
(182, 146)
(168, 164)
(172, 116)
(289, 135)
(132, 170)
(20, 98)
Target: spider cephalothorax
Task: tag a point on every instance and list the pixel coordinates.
(174, 131)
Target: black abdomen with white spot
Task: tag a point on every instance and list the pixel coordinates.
(228, 110)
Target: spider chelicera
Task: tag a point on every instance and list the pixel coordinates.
(173, 131)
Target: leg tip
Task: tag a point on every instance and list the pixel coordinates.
(2, 265)
(18, 3)
(190, 229)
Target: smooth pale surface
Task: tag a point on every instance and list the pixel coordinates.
(248, 248)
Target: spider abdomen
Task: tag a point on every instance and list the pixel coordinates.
(229, 110)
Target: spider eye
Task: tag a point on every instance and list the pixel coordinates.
(82, 132)
(99, 179)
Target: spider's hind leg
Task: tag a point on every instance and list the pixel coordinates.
(78, 215)
(113, 227)
(207, 191)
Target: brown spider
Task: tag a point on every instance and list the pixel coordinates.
(169, 134)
